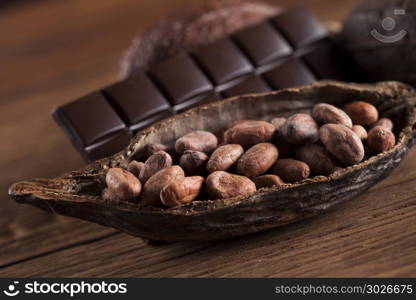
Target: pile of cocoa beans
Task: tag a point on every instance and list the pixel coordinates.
(249, 155)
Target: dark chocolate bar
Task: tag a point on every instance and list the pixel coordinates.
(290, 49)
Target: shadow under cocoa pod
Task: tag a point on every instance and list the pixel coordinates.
(77, 194)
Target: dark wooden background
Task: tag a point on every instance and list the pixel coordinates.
(54, 51)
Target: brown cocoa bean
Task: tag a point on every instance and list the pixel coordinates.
(193, 162)
(182, 191)
(202, 141)
(291, 170)
(267, 181)
(319, 160)
(151, 189)
(360, 131)
(152, 148)
(384, 122)
(362, 113)
(343, 143)
(223, 185)
(158, 161)
(380, 139)
(257, 160)
(224, 157)
(324, 113)
(135, 167)
(300, 129)
(123, 184)
(249, 133)
(278, 122)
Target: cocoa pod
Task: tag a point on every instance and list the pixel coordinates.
(360, 131)
(362, 113)
(380, 139)
(224, 185)
(182, 191)
(193, 162)
(319, 160)
(158, 161)
(384, 122)
(324, 113)
(257, 160)
(123, 184)
(343, 143)
(300, 129)
(249, 133)
(151, 189)
(267, 181)
(135, 167)
(224, 157)
(291, 170)
(200, 140)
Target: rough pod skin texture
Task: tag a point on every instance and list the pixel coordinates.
(362, 113)
(267, 181)
(123, 184)
(151, 190)
(249, 133)
(135, 167)
(223, 185)
(182, 191)
(257, 160)
(193, 26)
(193, 162)
(384, 122)
(224, 157)
(300, 129)
(291, 170)
(319, 160)
(360, 131)
(158, 161)
(200, 140)
(343, 143)
(380, 139)
(324, 113)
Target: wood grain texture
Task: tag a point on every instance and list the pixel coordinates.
(54, 51)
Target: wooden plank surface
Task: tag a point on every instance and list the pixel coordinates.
(54, 51)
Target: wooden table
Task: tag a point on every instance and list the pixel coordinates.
(54, 51)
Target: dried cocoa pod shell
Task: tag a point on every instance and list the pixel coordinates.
(78, 193)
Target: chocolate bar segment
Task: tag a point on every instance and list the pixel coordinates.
(299, 26)
(291, 73)
(263, 43)
(89, 119)
(110, 145)
(223, 61)
(181, 79)
(253, 84)
(138, 100)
